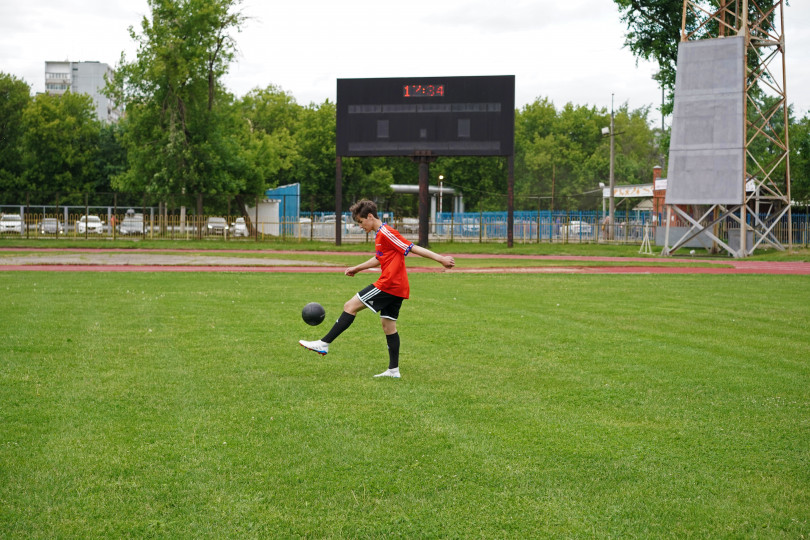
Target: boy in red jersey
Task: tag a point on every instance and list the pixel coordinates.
(385, 295)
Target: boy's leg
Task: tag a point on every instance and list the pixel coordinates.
(392, 338)
(350, 310)
(393, 351)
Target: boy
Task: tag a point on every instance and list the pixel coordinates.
(385, 296)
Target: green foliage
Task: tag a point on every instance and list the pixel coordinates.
(563, 151)
(61, 144)
(15, 95)
(800, 161)
(482, 180)
(314, 163)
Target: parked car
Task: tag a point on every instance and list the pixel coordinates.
(349, 226)
(216, 225)
(576, 228)
(131, 224)
(470, 226)
(11, 223)
(51, 226)
(89, 224)
(239, 228)
(409, 225)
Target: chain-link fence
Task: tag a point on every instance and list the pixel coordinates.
(121, 216)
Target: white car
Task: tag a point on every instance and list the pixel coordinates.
(89, 224)
(51, 226)
(217, 225)
(577, 228)
(239, 228)
(131, 224)
(11, 223)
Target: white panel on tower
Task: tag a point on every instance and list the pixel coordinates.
(707, 149)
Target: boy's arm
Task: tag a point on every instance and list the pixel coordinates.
(371, 263)
(445, 260)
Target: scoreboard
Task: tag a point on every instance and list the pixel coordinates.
(426, 116)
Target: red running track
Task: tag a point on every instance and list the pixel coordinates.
(722, 266)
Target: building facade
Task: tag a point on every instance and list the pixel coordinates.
(83, 78)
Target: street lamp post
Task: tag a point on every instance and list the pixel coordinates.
(611, 132)
(602, 191)
(441, 179)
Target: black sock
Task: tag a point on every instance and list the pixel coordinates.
(393, 350)
(344, 321)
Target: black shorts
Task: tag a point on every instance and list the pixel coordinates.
(387, 305)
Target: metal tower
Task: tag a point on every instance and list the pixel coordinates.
(760, 195)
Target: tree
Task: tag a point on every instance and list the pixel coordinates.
(271, 109)
(15, 95)
(272, 117)
(800, 161)
(653, 33)
(60, 144)
(563, 153)
(111, 158)
(314, 165)
(182, 133)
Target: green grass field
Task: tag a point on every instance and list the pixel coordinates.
(178, 405)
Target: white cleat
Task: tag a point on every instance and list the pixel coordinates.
(389, 373)
(320, 347)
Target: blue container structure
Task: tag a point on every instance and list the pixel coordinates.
(289, 198)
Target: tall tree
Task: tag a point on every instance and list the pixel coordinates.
(182, 131)
(15, 95)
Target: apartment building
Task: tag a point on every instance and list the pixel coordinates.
(82, 78)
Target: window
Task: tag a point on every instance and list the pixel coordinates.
(382, 129)
(464, 128)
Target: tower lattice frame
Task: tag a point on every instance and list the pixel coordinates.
(766, 167)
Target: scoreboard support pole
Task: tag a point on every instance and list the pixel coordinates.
(424, 198)
(338, 200)
(510, 201)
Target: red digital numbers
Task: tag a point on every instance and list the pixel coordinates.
(423, 90)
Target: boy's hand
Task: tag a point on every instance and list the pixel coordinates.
(448, 261)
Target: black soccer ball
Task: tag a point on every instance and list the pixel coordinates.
(313, 314)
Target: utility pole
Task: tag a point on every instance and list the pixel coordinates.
(612, 178)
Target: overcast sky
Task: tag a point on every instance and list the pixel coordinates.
(569, 51)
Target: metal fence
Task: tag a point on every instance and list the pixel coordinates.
(480, 227)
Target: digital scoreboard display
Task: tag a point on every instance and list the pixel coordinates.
(428, 116)
(423, 90)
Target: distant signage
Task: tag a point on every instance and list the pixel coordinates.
(626, 192)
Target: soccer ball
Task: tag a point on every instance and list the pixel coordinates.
(313, 314)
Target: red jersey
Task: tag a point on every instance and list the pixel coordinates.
(392, 249)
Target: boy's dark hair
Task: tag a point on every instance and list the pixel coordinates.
(362, 208)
